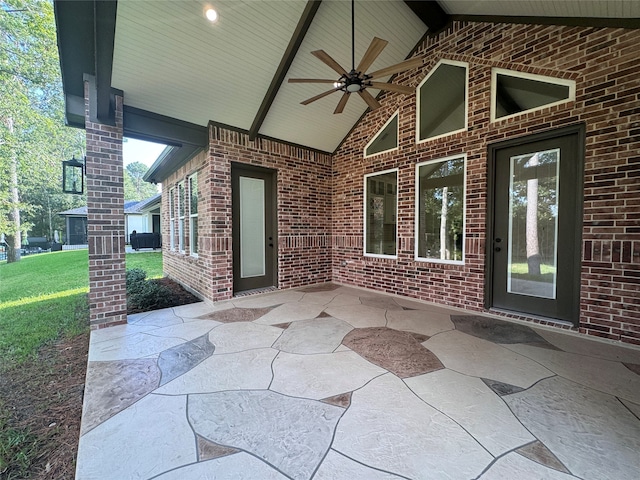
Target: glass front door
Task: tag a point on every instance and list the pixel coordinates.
(254, 228)
(534, 247)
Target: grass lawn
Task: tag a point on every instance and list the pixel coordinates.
(44, 296)
(44, 320)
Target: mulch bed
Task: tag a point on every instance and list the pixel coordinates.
(44, 396)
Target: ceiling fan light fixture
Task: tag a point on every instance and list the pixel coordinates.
(354, 87)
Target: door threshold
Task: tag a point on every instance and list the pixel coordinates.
(515, 315)
(255, 291)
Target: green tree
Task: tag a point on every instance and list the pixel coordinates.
(33, 139)
(135, 188)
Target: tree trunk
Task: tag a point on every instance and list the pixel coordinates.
(444, 212)
(533, 248)
(14, 240)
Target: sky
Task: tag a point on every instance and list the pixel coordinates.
(139, 151)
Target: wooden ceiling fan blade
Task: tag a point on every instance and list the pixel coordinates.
(342, 103)
(318, 97)
(375, 49)
(310, 80)
(398, 67)
(367, 97)
(327, 60)
(392, 87)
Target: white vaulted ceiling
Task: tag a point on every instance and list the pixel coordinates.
(169, 60)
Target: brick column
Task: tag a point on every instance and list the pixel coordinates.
(105, 220)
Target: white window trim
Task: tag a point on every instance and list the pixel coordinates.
(528, 76)
(395, 115)
(192, 215)
(456, 63)
(416, 257)
(172, 218)
(364, 213)
(181, 217)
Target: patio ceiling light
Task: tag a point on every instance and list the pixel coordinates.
(211, 14)
(73, 176)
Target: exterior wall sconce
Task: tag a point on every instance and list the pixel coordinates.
(73, 176)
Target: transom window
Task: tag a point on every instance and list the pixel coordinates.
(442, 101)
(513, 93)
(440, 210)
(386, 140)
(381, 214)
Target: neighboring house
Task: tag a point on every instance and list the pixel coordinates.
(507, 183)
(141, 216)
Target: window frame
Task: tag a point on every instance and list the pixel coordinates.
(455, 63)
(181, 216)
(364, 214)
(193, 239)
(172, 219)
(417, 196)
(380, 130)
(495, 71)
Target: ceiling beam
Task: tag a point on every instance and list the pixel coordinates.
(431, 14)
(292, 49)
(153, 127)
(598, 22)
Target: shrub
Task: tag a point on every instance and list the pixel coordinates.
(136, 280)
(144, 295)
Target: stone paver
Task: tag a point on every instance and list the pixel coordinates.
(328, 382)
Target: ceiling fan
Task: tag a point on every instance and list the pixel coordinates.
(356, 80)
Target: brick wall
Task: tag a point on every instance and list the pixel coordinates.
(105, 221)
(605, 66)
(304, 213)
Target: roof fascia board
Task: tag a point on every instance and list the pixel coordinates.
(597, 22)
(105, 31)
(292, 49)
(170, 160)
(85, 36)
(431, 14)
(74, 27)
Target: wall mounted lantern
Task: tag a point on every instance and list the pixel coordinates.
(73, 176)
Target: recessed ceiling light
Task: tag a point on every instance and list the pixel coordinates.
(211, 15)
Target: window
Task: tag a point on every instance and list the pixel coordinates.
(181, 212)
(172, 218)
(380, 213)
(385, 140)
(193, 214)
(440, 207)
(513, 93)
(442, 101)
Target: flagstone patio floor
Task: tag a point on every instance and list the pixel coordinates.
(332, 382)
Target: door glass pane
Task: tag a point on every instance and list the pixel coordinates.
(533, 224)
(252, 234)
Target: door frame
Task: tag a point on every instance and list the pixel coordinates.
(237, 167)
(579, 130)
